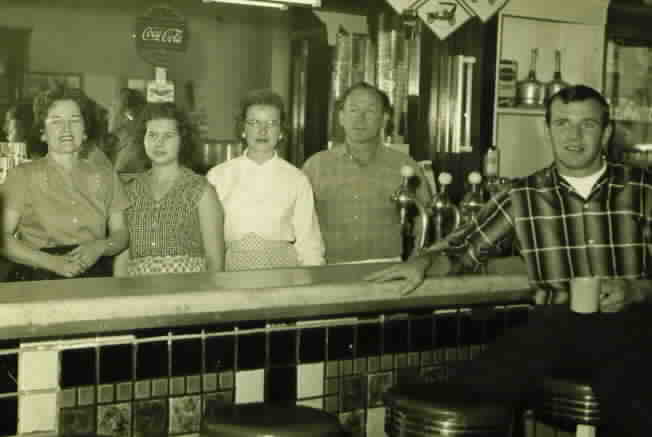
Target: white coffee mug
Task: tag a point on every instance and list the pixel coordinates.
(585, 295)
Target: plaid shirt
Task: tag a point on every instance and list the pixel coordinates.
(561, 235)
(357, 218)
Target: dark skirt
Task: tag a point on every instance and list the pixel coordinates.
(21, 272)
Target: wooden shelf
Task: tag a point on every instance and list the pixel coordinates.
(520, 110)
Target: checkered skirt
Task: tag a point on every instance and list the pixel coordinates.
(254, 252)
(152, 265)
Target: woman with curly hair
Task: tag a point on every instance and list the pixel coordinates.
(175, 219)
(63, 214)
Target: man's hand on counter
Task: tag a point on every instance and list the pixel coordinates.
(412, 272)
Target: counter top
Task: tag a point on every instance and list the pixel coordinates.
(101, 305)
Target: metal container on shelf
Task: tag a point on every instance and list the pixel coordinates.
(557, 83)
(529, 91)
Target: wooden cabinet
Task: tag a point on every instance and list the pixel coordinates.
(577, 29)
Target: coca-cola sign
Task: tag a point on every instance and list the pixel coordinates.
(172, 37)
(159, 34)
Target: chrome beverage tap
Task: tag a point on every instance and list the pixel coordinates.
(404, 197)
(445, 215)
(473, 200)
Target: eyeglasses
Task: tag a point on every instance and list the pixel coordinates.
(263, 123)
(60, 123)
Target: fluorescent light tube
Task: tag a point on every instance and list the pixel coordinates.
(279, 4)
(251, 3)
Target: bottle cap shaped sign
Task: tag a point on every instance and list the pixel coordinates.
(444, 17)
(161, 35)
(485, 9)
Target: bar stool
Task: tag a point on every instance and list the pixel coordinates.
(567, 401)
(260, 419)
(442, 409)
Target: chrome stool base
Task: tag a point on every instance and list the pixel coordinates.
(424, 410)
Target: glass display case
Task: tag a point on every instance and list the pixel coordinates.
(627, 80)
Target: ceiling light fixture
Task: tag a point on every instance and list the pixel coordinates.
(278, 4)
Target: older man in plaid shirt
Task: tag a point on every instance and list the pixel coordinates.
(580, 217)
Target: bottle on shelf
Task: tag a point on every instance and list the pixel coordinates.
(557, 83)
(530, 92)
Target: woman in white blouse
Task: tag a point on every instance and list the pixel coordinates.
(270, 218)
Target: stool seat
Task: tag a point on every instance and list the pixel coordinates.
(444, 409)
(568, 399)
(267, 420)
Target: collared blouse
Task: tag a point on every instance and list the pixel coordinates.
(273, 200)
(58, 208)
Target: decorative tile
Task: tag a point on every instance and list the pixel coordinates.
(426, 358)
(360, 366)
(186, 357)
(9, 375)
(75, 421)
(407, 375)
(340, 343)
(185, 414)
(105, 393)
(281, 384)
(353, 422)
(447, 329)
(43, 403)
(377, 385)
(78, 367)
(387, 362)
(42, 368)
(312, 346)
(283, 348)
(193, 384)
(368, 340)
(178, 386)
(220, 353)
(413, 359)
(67, 398)
(150, 418)
(114, 420)
(310, 380)
(373, 364)
(422, 334)
(227, 379)
(352, 394)
(218, 399)
(143, 389)
(152, 361)
(331, 404)
(332, 368)
(251, 351)
(347, 367)
(249, 386)
(125, 391)
(116, 363)
(376, 422)
(332, 386)
(396, 336)
(401, 361)
(160, 387)
(9, 408)
(210, 382)
(86, 395)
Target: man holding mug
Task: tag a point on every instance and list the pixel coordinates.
(582, 217)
